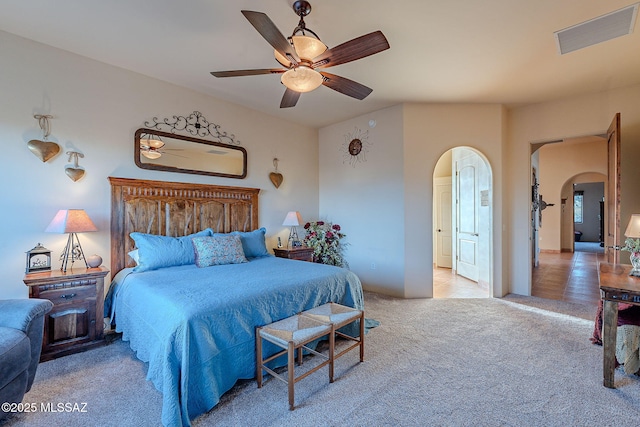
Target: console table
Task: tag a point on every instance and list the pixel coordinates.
(615, 286)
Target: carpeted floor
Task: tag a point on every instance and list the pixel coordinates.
(517, 361)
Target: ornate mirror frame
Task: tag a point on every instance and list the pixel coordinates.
(181, 154)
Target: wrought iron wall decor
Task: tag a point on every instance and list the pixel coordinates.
(196, 124)
(189, 144)
(355, 147)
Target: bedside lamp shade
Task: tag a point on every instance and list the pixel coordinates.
(633, 228)
(71, 221)
(293, 219)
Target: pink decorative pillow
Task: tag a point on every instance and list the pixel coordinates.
(218, 250)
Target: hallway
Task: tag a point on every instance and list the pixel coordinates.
(571, 277)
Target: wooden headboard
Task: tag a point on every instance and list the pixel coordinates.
(175, 209)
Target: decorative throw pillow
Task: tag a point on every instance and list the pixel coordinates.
(218, 250)
(253, 242)
(164, 251)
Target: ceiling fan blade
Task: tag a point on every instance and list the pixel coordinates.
(271, 33)
(346, 86)
(237, 73)
(289, 99)
(358, 48)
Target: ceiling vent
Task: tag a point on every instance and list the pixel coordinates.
(597, 30)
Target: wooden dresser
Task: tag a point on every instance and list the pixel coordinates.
(302, 253)
(75, 323)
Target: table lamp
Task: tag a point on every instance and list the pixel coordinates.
(293, 219)
(71, 221)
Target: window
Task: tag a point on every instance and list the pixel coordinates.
(578, 200)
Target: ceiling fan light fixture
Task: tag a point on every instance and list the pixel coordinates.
(149, 154)
(308, 47)
(302, 79)
(282, 59)
(152, 142)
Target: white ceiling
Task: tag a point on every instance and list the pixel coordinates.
(459, 51)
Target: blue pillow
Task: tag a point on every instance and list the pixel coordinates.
(253, 242)
(164, 251)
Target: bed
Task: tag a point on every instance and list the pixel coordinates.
(195, 325)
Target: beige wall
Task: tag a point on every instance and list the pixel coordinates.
(578, 116)
(387, 201)
(366, 198)
(559, 163)
(97, 109)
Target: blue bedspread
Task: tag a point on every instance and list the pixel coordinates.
(196, 326)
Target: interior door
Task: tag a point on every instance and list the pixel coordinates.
(467, 170)
(443, 223)
(612, 196)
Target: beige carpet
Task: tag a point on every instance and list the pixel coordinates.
(518, 361)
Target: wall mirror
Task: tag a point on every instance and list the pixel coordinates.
(157, 150)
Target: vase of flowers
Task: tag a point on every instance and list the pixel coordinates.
(633, 247)
(324, 237)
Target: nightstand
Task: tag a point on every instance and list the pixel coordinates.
(75, 323)
(302, 253)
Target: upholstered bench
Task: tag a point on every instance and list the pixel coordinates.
(293, 334)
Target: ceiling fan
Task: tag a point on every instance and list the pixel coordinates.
(302, 54)
(152, 147)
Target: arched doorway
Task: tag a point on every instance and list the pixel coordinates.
(462, 225)
(586, 190)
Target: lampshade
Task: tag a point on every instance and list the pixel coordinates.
(306, 47)
(71, 221)
(633, 228)
(293, 219)
(302, 79)
(153, 142)
(151, 154)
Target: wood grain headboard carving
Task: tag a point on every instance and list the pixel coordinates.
(175, 209)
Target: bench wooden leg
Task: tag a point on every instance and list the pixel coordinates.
(291, 355)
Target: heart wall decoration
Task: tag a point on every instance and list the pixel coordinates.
(74, 172)
(276, 177)
(43, 149)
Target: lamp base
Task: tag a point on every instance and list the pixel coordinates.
(634, 257)
(294, 241)
(73, 251)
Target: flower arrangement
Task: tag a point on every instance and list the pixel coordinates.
(324, 238)
(631, 245)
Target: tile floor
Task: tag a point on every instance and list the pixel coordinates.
(571, 277)
(449, 285)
